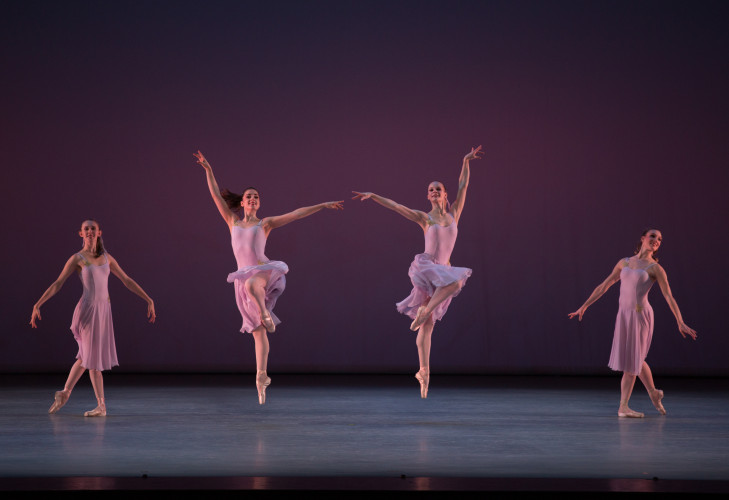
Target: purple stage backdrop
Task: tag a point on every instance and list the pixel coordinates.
(598, 119)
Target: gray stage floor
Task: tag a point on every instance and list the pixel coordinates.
(520, 430)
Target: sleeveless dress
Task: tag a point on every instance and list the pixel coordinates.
(634, 324)
(249, 243)
(92, 325)
(432, 269)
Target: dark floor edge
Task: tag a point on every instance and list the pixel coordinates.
(364, 484)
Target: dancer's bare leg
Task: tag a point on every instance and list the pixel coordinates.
(256, 288)
(656, 395)
(626, 389)
(97, 381)
(262, 379)
(261, 339)
(441, 293)
(423, 339)
(61, 397)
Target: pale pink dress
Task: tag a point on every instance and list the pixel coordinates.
(634, 324)
(249, 244)
(92, 325)
(432, 269)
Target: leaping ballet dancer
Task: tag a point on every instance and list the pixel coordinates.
(258, 281)
(435, 282)
(634, 324)
(92, 325)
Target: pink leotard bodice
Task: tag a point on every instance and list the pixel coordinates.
(440, 240)
(249, 245)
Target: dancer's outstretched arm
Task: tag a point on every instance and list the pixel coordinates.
(71, 265)
(275, 221)
(420, 218)
(457, 206)
(600, 290)
(660, 276)
(133, 286)
(227, 214)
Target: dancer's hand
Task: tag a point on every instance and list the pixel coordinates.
(34, 315)
(150, 311)
(579, 312)
(361, 196)
(334, 205)
(474, 154)
(201, 160)
(684, 330)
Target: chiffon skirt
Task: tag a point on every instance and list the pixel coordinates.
(632, 339)
(274, 288)
(93, 330)
(427, 275)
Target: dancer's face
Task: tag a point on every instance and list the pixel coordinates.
(652, 240)
(437, 192)
(90, 232)
(250, 201)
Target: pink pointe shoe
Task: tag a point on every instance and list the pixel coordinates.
(267, 322)
(59, 399)
(262, 382)
(656, 397)
(423, 376)
(420, 318)
(99, 411)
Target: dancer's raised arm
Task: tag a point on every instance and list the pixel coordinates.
(71, 265)
(227, 214)
(457, 205)
(600, 290)
(275, 221)
(662, 279)
(420, 218)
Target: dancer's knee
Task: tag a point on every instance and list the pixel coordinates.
(259, 333)
(251, 284)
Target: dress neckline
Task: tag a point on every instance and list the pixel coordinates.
(89, 264)
(627, 266)
(235, 224)
(433, 223)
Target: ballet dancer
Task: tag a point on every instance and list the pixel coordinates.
(634, 324)
(258, 281)
(434, 281)
(92, 325)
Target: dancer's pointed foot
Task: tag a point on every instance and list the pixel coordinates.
(423, 376)
(59, 399)
(262, 381)
(656, 397)
(420, 318)
(626, 412)
(99, 411)
(267, 322)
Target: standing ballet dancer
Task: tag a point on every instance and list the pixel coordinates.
(92, 325)
(435, 282)
(258, 281)
(634, 324)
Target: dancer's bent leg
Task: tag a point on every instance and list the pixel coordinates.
(256, 288)
(441, 293)
(61, 397)
(656, 395)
